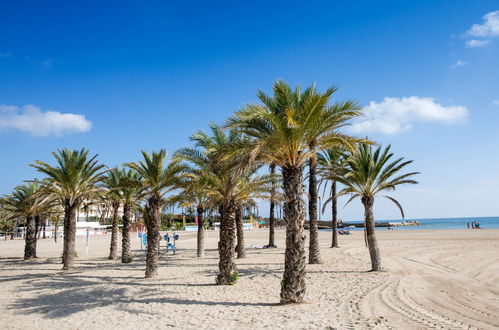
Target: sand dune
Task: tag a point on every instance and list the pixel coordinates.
(433, 279)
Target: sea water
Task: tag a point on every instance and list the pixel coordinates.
(443, 223)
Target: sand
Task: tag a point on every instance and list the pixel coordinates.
(432, 279)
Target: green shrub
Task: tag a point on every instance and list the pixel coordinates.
(233, 278)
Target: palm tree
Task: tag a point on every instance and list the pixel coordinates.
(158, 178)
(197, 189)
(26, 201)
(369, 174)
(332, 165)
(249, 188)
(112, 184)
(272, 210)
(288, 128)
(343, 111)
(208, 156)
(74, 179)
(130, 189)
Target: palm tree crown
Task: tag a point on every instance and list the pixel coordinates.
(158, 176)
(285, 125)
(76, 177)
(371, 172)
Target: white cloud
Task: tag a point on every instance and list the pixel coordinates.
(489, 28)
(459, 63)
(496, 102)
(33, 120)
(477, 43)
(394, 115)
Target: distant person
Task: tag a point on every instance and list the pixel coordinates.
(468, 225)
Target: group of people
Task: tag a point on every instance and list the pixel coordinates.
(170, 241)
(474, 225)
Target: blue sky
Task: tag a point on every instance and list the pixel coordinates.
(124, 76)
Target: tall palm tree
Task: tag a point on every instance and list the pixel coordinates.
(130, 188)
(344, 111)
(332, 165)
(288, 128)
(158, 178)
(208, 156)
(370, 173)
(113, 192)
(26, 201)
(74, 179)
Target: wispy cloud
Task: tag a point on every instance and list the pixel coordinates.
(3, 55)
(45, 64)
(489, 27)
(459, 63)
(473, 43)
(496, 102)
(33, 120)
(394, 115)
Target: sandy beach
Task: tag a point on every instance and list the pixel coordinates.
(432, 279)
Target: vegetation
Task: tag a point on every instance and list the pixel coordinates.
(75, 178)
(370, 173)
(112, 183)
(332, 166)
(28, 202)
(158, 177)
(287, 131)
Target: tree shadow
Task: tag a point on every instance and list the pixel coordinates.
(61, 296)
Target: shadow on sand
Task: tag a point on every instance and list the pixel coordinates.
(60, 294)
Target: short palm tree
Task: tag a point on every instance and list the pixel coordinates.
(74, 179)
(26, 201)
(130, 188)
(332, 165)
(112, 184)
(208, 156)
(197, 189)
(272, 209)
(287, 129)
(249, 188)
(370, 173)
(158, 178)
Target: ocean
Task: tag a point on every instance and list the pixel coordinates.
(445, 223)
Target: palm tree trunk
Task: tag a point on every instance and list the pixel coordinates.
(45, 229)
(68, 254)
(372, 243)
(152, 220)
(314, 256)
(113, 251)
(56, 230)
(272, 207)
(200, 247)
(293, 282)
(226, 244)
(240, 247)
(38, 232)
(126, 256)
(30, 239)
(334, 212)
